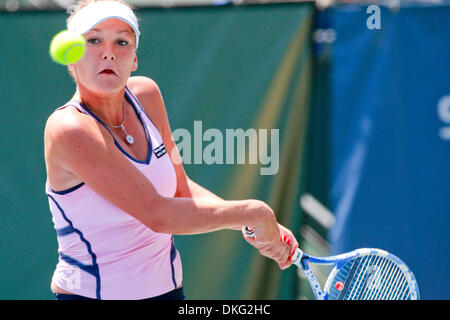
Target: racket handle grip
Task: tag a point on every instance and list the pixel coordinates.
(249, 232)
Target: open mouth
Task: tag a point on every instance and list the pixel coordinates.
(107, 72)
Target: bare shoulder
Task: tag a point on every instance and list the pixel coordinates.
(149, 94)
(143, 86)
(67, 126)
(70, 134)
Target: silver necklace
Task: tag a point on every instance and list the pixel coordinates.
(128, 137)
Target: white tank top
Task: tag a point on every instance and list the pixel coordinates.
(104, 252)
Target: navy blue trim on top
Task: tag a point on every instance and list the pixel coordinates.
(149, 140)
(142, 108)
(68, 190)
(65, 231)
(73, 262)
(130, 97)
(173, 255)
(92, 269)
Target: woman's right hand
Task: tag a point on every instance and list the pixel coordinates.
(267, 235)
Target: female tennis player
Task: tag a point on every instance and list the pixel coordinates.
(115, 181)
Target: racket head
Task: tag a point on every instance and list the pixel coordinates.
(371, 274)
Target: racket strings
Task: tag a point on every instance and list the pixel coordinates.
(373, 277)
(350, 271)
(381, 284)
(370, 276)
(378, 279)
(348, 279)
(363, 278)
(388, 281)
(399, 288)
(392, 283)
(356, 278)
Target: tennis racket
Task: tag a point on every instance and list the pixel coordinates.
(361, 274)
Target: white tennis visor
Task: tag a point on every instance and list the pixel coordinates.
(91, 15)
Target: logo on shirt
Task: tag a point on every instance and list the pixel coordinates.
(160, 151)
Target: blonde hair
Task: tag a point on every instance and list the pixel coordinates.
(80, 5)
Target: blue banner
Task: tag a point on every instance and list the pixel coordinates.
(390, 136)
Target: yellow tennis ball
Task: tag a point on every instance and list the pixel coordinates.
(67, 47)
